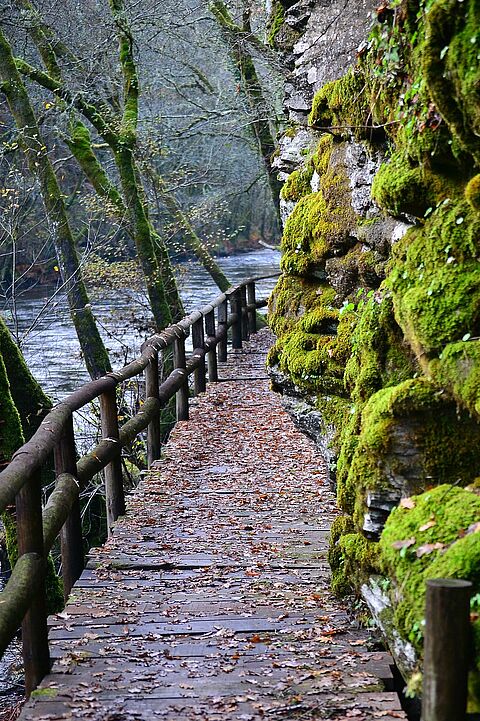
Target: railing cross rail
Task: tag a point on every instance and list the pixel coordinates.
(23, 599)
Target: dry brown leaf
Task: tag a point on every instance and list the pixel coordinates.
(429, 548)
(398, 545)
(427, 525)
(407, 503)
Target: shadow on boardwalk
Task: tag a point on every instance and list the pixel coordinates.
(211, 599)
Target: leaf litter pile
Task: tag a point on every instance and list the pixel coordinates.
(211, 600)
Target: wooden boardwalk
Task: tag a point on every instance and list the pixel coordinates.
(211, 600)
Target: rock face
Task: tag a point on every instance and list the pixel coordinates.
(331, 31)
(377, 313)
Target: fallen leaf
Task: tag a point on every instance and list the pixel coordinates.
(427, 525)
(407, 503)
(429, 548)
(398, 545)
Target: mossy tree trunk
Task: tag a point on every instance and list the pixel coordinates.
(120, 134)
(170, 305)
(30, 401)
(23, 406)
(95, 354)
(249, 82)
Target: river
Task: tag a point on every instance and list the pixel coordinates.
(48, 339)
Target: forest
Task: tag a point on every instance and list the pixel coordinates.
(156, 155)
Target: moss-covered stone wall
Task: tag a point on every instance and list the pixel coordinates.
(378, 310)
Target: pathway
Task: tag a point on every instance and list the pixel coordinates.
(211, 600)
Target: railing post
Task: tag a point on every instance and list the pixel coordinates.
(114, 494)
(243, 300)
(180, 363)
(222, 324)
(212, 353)
(236, 306)
(447, 650)
(154, 447)
(71, 537)
(198, 342)
(252, 313)
(36, 656)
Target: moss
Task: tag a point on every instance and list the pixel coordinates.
(379, 355)
(290, 131)
(402, 186)
(355, 558)
(335, 412)
(348, 442)
(42, 693)
(322, 154)
(28, 397)
(436, 279)
(275, 21)
(405, 431)
(11, 437)
(297, 184)
(319, 226)
(307, 360)
(440, 516)
(341, 526)
(472, 192)
(313, 345)
(458, 370)
(451, 66)
(80, 143)
(292, 298)
(342, 106)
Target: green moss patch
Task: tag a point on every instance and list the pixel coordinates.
(319, 227)
(436, 279)
(458, 369)
(351, 556)
(297, 184)
(413, 433)
(434, 535)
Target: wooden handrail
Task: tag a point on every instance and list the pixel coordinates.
(24, 593)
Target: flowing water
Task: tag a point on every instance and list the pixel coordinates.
(41, 322)
(48, 339)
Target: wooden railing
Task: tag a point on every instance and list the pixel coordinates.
(23, 599)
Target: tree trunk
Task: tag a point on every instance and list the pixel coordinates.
(11, 438)
(28, 397)
(95, 354)
(234, 36)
